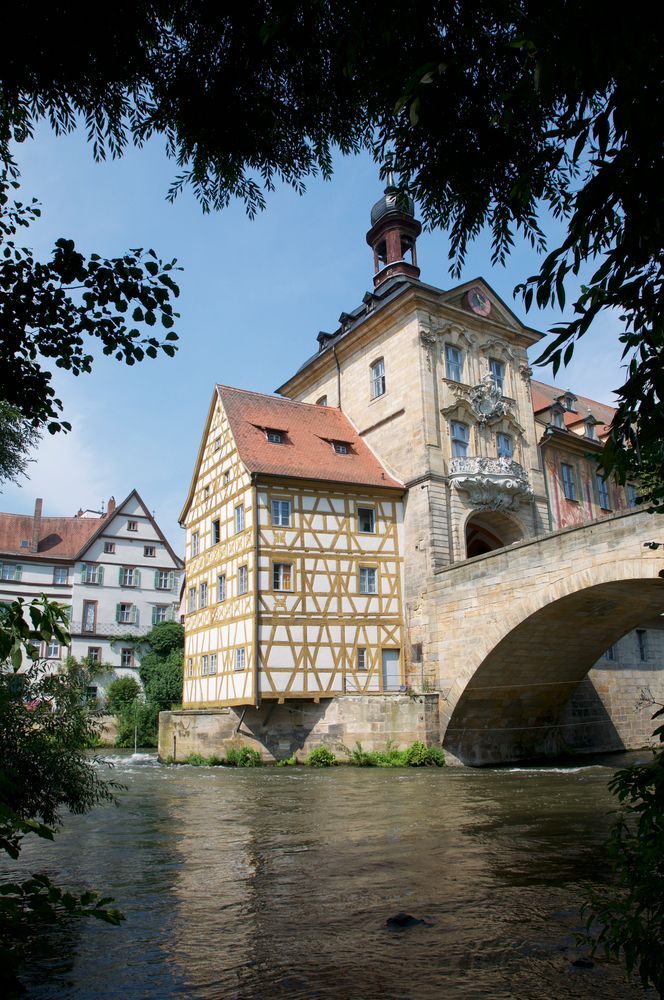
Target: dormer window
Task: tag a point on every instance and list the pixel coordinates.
(322, 401)
(340, 447)
(557, 417)
(590, 429)
(274, 437)
(567, 401)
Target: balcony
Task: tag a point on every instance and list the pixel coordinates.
(491, 483)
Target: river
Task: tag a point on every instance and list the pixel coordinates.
(277, 883)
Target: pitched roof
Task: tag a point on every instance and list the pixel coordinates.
(545, 395)
(59, 537)
(307, 451)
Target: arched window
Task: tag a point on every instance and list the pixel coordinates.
(322, 401)
(378, 378)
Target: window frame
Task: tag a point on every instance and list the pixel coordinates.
(602, 492)
(238, 518)
(221, 588)
(460, 445)
(60, 569)
(191, 599)
(378, 380)
(361, 659)
(127, 653)
(282, 577)
(120, 614)
(453, 367)
(242, 580)
(371, 511)
(149, 551)
(367, 577)
(240, 659)
(195, 543)
(215, 531)
(568, 482)
(202, 594)
(499, 377)
(109, 548)
(506, 437)
(132, 525)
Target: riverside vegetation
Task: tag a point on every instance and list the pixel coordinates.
(416, 755)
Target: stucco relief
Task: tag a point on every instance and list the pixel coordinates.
(491, 483)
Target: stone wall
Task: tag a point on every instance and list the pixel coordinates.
(278, 731)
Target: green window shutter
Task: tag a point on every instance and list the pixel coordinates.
(100, 574)
(154, 616)
(120, 575)
(137, 577)
(134, 614)
(19, 573)
(156, 579)
(84, 572)
(117, 612)
(171, 580)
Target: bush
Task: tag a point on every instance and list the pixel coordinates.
(196, 760)
(419, 755)
(321, 757)
(243, 757)
(416, 755)
(121, 693)
(291, 761)
(140, 719)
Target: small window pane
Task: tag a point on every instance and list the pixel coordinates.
(367, 580)
(281, 513)
(366, 519)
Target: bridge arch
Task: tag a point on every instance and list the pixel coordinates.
(519, 628)
(486, 531)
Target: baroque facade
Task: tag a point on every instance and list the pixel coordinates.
(114, 570)
(458, 451)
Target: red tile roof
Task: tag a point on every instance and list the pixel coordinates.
(309, 431)
(59, 537)
(545, 395)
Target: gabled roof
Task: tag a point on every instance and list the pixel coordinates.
(307, 451)
(59, 537)
(544, 397)
(118, 510)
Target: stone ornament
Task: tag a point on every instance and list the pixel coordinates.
(491, 483)
(428, 341)
(486, 400)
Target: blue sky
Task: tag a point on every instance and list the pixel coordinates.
(254, 295)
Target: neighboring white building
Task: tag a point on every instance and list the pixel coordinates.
(115, 570)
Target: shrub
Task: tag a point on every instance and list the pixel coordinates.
(196, 760)
(140, 719)
(321, 757)
(419, 755)
(120, 693)
(416, 755)
(288, 761)
(243, 757)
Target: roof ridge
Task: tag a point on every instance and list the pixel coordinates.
(280, 399)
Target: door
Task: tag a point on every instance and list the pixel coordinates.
(391, 670)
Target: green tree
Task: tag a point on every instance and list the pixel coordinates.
(121, 692)
(44, 769)
(161, 668)
(17, 439)
(488, 113)
(626, 920)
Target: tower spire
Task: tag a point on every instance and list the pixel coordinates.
(394, 230)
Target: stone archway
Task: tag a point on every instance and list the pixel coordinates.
(489, 530)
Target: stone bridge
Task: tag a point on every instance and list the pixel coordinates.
(519, 628)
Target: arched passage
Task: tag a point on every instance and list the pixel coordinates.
(511, 706)
(490, 530)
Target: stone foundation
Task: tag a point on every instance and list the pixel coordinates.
(298, 726)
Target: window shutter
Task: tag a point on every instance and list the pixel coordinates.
(84, 572)
(120, 575)
(19, 573)
(171, 580)
(117, 612)
(100, 574)
(134, 614)
(156, 579)
(154, 616)
(137, 577)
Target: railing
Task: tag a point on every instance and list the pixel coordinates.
(116, 629)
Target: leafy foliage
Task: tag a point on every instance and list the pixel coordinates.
(416, 755)
(138, 722)
(321, 757)
(630, 913)
(120, 693)
(45, 727)
(17, 439)
(243, 757)
(161, 668)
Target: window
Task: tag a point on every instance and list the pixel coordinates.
(274, 437)
(202, 595)
(610, 654)
(217, 444)
(164, 579)
(10, 571)
(149, 551)
(453, 363)
(213, 663)
(603, 492)
(642, 639)
(367, 580)
(216, 531)
(159, 613)
(460, 439)
(221, 587)
(282, 576)
(242, 580)
(52, 650)
(194, 543)
(126, 657)
(504, 445)
(239, 658)
(227, 476)
(132, 525)
(126, 614)
(206, 490)
(366, 519)
(378, 378)
(190, 667)
(281, 513)
(129, 577)
(191, 600)
(340, 447)
(94, 654)
(568, 401)
(25, 544)
(89, 622)
(361, 658)
(109, 548)
(557, 418)
(322, 401)
(590, 430)
(569, 484)
(92, 573)
(630, 491)
(497, 369)
(204, 664)
(60, 574)
(239, 518)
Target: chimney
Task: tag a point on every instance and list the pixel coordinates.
(110, 510)
(36, 525)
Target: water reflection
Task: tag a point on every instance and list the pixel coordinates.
(277, 883)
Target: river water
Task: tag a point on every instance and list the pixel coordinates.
(278, 882)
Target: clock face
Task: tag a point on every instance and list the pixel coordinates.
(478, 301)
